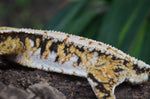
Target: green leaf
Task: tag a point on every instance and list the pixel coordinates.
(70, 14)
(128, 24)
(74, 12)
(53, 23)
(136, 26)
(91, 31)
(145, 51)
(79, 24)
(136, 45)
(122, 22)
(113, 21)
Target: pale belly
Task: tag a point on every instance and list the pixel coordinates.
(34, 60)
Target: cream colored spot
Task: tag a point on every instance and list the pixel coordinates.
(47, 51)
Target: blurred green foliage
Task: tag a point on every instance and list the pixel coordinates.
(124, 24)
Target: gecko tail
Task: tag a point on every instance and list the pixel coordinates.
(104, 81)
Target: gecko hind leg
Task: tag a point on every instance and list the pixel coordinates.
(104, 80)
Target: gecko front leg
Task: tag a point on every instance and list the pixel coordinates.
(104, 79)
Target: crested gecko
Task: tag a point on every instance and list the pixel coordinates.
(104, 66)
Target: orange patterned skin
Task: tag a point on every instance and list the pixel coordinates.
(104, 66)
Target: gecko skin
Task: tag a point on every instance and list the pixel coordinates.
(104, 66)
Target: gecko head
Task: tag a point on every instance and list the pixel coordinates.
(9, 45)
(5, 47)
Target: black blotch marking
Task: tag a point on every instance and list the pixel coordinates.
(79, 60)
(148, 70)
(80, 49)
(125, 62)
(3, 45)
(71, 44)
(100, 54)
(92, 77)
(9, 47)
(56, 60)
(92, 51)
(107, 55)
(100, 65)
(115, 58)
(34, 37)
(22, 36)
(13, 35)
(66, 49)
(43, 45)
(118, 70)
(3, 37)
(100, 86)
(139, 70)
(54, 46)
